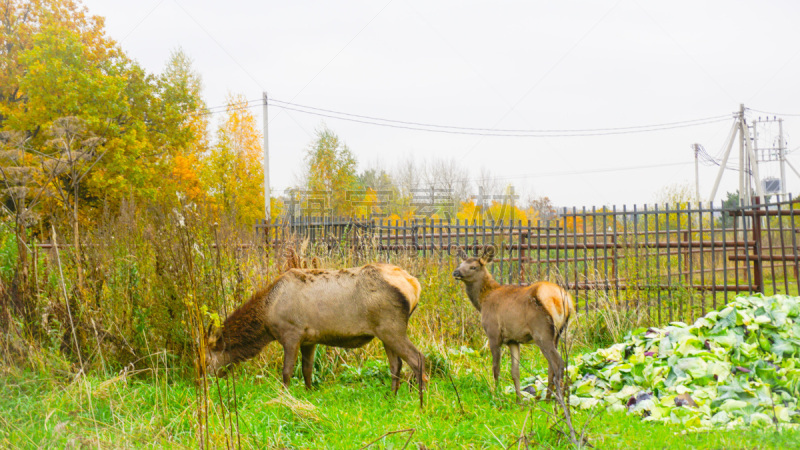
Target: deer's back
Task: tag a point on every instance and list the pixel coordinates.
(342, 302)
(517, 312)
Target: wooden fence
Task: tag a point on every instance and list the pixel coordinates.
(677, 261)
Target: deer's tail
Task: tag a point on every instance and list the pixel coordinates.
(562, 311)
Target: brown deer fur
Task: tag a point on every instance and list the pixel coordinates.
(514, 315)
(340, 308)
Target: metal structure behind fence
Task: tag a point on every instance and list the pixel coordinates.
(676, 262)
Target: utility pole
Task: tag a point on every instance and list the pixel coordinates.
(747, 160)
(724, 164)
(744, 196)
(751, 156)
(782, 156)
(754, 140)
(697, 173)
(266, 161)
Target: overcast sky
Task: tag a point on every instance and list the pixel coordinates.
(527, 65)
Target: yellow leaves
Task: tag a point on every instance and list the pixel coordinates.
(366, 202)
(497, 211)
(574, 224)
(185, 177)
(232, 171)
(331, 173)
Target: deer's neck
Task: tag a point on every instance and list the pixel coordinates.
(479, 290)
(245, 331)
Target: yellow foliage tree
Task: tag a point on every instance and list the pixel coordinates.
(181, 88)
(496, 211)
(232, 172)
(331, 174)
(677, 198)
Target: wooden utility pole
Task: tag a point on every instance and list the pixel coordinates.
(696, 173)
(782, 156)
(266, 161)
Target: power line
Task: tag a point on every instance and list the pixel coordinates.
(238, 106)
(773, 113)
(709, 160)
(527, 133)
(497, 130)
(460, 130)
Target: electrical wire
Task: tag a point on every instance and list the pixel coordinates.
(238, 106)
(458, 130)
(208, 113)
(530, 133)
(773, 113)
(496, 130)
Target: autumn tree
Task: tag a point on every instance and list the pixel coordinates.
(18, 174)
(487, 184)
(731, 202)
(73, 158)
(408, 181)
(379, 192)
(330, 173)
(542, 208)
(677, 198)
(58, 62)
(233, 173)
(433, 188)
(180, 90)
(496, 208)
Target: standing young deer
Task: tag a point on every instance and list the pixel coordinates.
(339, 308)
(514, 315)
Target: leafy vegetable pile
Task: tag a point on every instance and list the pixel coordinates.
(735, 367)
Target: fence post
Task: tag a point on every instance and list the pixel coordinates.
(686, 255)
(758, 269)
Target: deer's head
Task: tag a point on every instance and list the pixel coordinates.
(473, 269)
(216, 357)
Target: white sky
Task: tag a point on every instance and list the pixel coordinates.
(562, 65)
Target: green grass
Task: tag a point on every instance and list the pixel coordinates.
(348, 408)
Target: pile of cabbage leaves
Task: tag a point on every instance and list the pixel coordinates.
(739, 366)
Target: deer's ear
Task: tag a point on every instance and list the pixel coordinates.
(213, 332)
(462, 254)
(488, 254)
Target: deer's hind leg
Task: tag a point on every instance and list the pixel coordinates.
(555, 364)
(308, 352)
(394, 337)
(395, 366)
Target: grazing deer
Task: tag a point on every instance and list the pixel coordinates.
(514, 315)
(339, 308)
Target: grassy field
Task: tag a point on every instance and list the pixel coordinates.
(349, 408)
(148, 291)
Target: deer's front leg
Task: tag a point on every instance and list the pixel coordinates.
(513, 348)
(496, 348)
